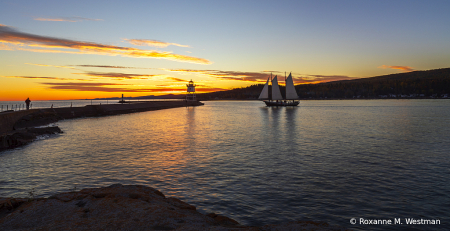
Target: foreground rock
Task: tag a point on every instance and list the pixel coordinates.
(119, 207)
(25, 136)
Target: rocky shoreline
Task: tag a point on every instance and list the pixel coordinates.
(25, 136)
(123, 207)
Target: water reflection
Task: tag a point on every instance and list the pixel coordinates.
(190, 130)
(291, 125)
(321, 161)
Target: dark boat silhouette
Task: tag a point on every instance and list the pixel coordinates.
(276, 99)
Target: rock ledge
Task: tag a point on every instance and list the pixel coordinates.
(119, 207)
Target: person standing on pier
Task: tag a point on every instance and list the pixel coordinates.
(28, 101)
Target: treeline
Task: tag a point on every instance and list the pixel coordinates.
(251, 92)
(416, 84)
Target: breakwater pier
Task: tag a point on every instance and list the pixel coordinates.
(16, 126)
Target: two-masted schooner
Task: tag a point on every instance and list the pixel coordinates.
(276, 99)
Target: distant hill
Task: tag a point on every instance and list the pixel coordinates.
(416, 84)
(170, 96)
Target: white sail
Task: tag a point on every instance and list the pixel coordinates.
(276, 94)
(291, 93)
(265, 91)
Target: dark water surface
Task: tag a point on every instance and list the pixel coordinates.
(323, 161)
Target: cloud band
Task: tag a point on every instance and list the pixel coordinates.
(51, 45)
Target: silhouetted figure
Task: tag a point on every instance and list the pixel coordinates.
(52, 106)
(28, 101)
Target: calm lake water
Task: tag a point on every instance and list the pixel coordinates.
(322, 161)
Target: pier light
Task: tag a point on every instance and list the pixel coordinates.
(190, 94)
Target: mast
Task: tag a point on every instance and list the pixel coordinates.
(271, 95)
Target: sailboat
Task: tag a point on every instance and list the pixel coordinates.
(276, 99)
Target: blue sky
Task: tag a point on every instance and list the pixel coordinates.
(315, 40)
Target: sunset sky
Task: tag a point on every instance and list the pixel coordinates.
(96, 49)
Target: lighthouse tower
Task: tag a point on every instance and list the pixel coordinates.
(190, 94)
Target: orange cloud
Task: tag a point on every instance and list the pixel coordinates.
(152, 43)
(89, 66)
(105, 87)
(32, 77)
(187, 70)
(19, 39)
(115, 75)
(108, 66)
(313, 79)
(5, 47)
(67, 19)
(41, 77)
(98, 87)
(230, 75)
(261, 77)
(402, 68)
(45, 65)
(273, 72)
(177, 79)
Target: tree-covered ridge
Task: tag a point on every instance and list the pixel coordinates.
(416, 84)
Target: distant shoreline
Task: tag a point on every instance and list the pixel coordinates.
(222, 99)
(324, 99)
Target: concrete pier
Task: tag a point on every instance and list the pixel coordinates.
(9, 118)
(37, 117)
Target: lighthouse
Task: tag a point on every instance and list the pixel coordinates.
(190, 94)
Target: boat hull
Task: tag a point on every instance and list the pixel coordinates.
(281, 103)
